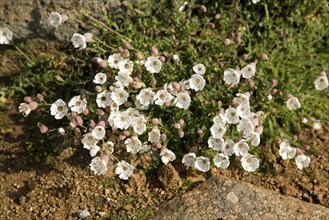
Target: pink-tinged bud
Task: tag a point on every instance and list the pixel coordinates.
(162, 59)
(288, 96)
(64, 18)
(155, 121)
(217, 16)
(101, 123)
(255, 121)
(274, 91)
(77, 132)
(211, 25)
(167, 104)
(306, 147)
(181, 121)
(77, 141)
(43, 128)
(139, 56)
(88, 36)
(158, 146)
(121, 51)
(176, 59)
(100, 62)
(136, 85)
(238, 38)
(252, 84)
(227, 41)
(178, 126)
(126, 53)
(244, 57)
(295, 138)
(199, 140)
(127, 45)
(259, 114)
(61, 131)
(264, 57)
(59, 78)
(299, 152)
(74, 114)
(100, 112)
(153, 82)
(199, 132)
(92, 124)
(73, 124)
(154, 51)
(27, 99)
(181, 134)
(40, 97)
(126, 132)
(176, 86)
(163, 137)
(203, 9)
(33, 105)
(85, 111)
(323, 73)
(98, 89)
(104, 119)
(79, 121)
(127, 104)
(259, 129)
(122, 137)
(274, 83)
(194, 149)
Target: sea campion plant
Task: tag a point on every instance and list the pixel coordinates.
(193, 87)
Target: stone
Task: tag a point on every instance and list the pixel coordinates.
(169, 177)
(223, 198)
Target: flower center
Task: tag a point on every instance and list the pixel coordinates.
(154, 63)
(103, 98)
(60, 108)
(77, 103)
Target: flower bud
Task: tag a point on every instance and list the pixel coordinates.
(100, 112)
(238, 38)
(127, 45)
(138, 56)
(178, 126)
(77, 141)
(203, 9)
(176, 58)
(162, 59)
(136, 85)
(43, 128)
(85, 111)
(181, 122)
(154, 51)
(211, 25)
(126, 53)
(98, 89)
(77, 132)
(199, 140)
(304, 120)
(227, 41)
(244, 57)
(101, 123)
(122, 137)
(61, 131)
(121, 51)
(217, 16)
(181, 134)
(155, 121)
(79, 121)
(274, 83)
(88, 36)
(264, 57)
(33, 105)
(163, 137)
(40, 97)
(259, 129)
(252, 84)
(92, 123)
(100, 62)
(27, 99)
(199, 132)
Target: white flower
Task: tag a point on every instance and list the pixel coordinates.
(199, 69)
(55, 19)
(248, 71)
(293, 103)
(182, 100)
(219, 119)
(197, 82)
(189, 159)
(98, 166)
(304, 120)
(286, 151)
(77, 104)
(317, 125)
(24, 109)
(100, 78)
(249, 163)
(217, 130)
(126, 66)
(119, 96)
(245, 127)
(182, 7)
(162, 96)
(321, 83)
(133, 144)
(103, 99)
(216, 143)
(232, 77)
(302, 161)
(221, 161)
(241, 148)
(145, 148)
(167, 156)
(109, 145)
(94, 150)
(231, 116)
(255, 1)
(83, 213)
(5, 36)
(114, 60)
(79, 41)
(202, 164)
(228, 148)
(243, 110)
(88, 141)
(123, 79)
(120, 120)
(154, 135)
(139, 124)
(59, 109)
(254, 138)
(240, 99)
(153, 64)
(124, 170)
(98, 132)
(145, 97)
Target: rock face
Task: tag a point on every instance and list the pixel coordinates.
(222, 198)
(29, 18)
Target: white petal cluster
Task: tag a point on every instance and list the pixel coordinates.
(241, 148)
(120, 119)
(5, 36)
(321, 83)
(126, 66)
(114, 60)
(124, 170)
(77, 104)
(202, 164)
(154, 136)
(182, 100)
(162, 97)
(133, 144)
(286, 151)
(153, 64)
(119, 96)
(249, 163)
(221, 161)
(98, 132)
(232, 77)
(55, 19)
(216, 144)
(100, 78)
(145, 97)
(59, 109)
(167, 156)
(248, 71)
(199, 69)
(103, 99)
(302, 161)
(24, 109)
(189, 160)
(98, 166)
(293, 103)
(197, 82)
(79, 41)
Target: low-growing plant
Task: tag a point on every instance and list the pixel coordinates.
(198, 83)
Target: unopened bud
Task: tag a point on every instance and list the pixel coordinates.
(61, 131)
(217, 16)
(162, 59)
(85, 111)
(274, 83)
(259, 129)
(100, 62)
(101, 123)
(92, 123)
(176, 58)
(27, 99)
(136, 85)
(121, 51)
(100, 112)
(138, 56)
(199, 132)
(199, 140)
(88, 36)
(264, 57)
(33, 105)
(181, 134)
(40, 97)
(203, 9)
(126, 53)
(98, 89)
(77, 132)
(227, 41)
(163, 137)
(178, 126)
(181, 122)
(155, 121)
(304, 120)
(127, 45)
(43, 128)
(211, 25)
(154, 51)
(244, 57)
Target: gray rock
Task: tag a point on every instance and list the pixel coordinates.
(222, 198)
